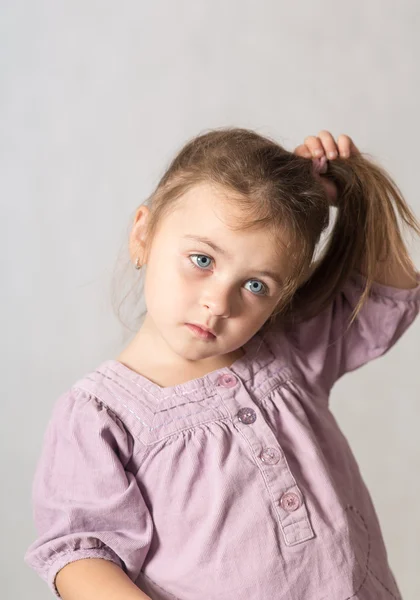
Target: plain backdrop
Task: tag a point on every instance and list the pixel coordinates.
(95, 99)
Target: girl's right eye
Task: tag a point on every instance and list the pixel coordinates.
(200, 256)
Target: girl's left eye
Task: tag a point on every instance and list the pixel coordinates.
(203, 268)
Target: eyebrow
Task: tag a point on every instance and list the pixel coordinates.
(274, 276)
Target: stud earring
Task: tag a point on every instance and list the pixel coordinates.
(138, 265)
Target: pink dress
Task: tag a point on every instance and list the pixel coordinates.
(238, 485)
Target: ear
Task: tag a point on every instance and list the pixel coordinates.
(138, 234)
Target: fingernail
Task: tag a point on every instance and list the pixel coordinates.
(332, 154)
(318, 152)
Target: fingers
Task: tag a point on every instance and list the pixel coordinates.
(303, 150)
(346, 146)
(322, 145)
(325, 145)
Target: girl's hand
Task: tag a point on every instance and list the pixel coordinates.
(324, 145)
(323, 148)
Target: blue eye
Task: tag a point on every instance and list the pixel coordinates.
(200, 256)
(255, 283)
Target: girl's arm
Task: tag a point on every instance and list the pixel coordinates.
(94, 578)
(324, 347)
(88, 507)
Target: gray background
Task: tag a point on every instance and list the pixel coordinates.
(96, 97)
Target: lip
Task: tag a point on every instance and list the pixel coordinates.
(201, 331)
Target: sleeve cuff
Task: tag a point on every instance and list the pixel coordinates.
(64, 559)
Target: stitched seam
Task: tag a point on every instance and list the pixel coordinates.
(264, 476)
(186, 428)
(140, 399)
(367, 554)
(275, 386)
(144, 388)
(262, 473)
(104, 549)
(146, 426)
(383, 585)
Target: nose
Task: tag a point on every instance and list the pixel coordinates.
(219, 300)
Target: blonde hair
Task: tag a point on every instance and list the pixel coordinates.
(274, 188)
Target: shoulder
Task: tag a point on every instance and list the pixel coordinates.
(114, 392)
(91, 409)
(80, 406)
(103, 390)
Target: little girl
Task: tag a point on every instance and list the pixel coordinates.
(204, 462)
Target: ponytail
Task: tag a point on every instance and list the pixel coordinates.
(366, 232)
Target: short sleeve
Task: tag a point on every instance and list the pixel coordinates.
(324, 350)
(86, 504)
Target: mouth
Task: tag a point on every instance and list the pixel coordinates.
(200, 332)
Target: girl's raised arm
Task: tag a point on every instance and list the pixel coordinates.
(325, 347)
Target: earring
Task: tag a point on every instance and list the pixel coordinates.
(138, 265)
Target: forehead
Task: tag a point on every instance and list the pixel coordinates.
(209, 211)
(205, 197)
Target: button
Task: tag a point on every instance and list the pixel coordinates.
(247, 415)
(270, 456)
(227, 380)
(290, 501)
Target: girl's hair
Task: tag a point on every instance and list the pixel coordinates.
(277, 190)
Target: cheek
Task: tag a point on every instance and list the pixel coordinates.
(167, 286)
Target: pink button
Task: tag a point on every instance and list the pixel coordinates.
(247, 415)
(227, 380)
(270, 456)
(290, 501)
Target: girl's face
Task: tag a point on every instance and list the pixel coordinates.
(226, 288)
